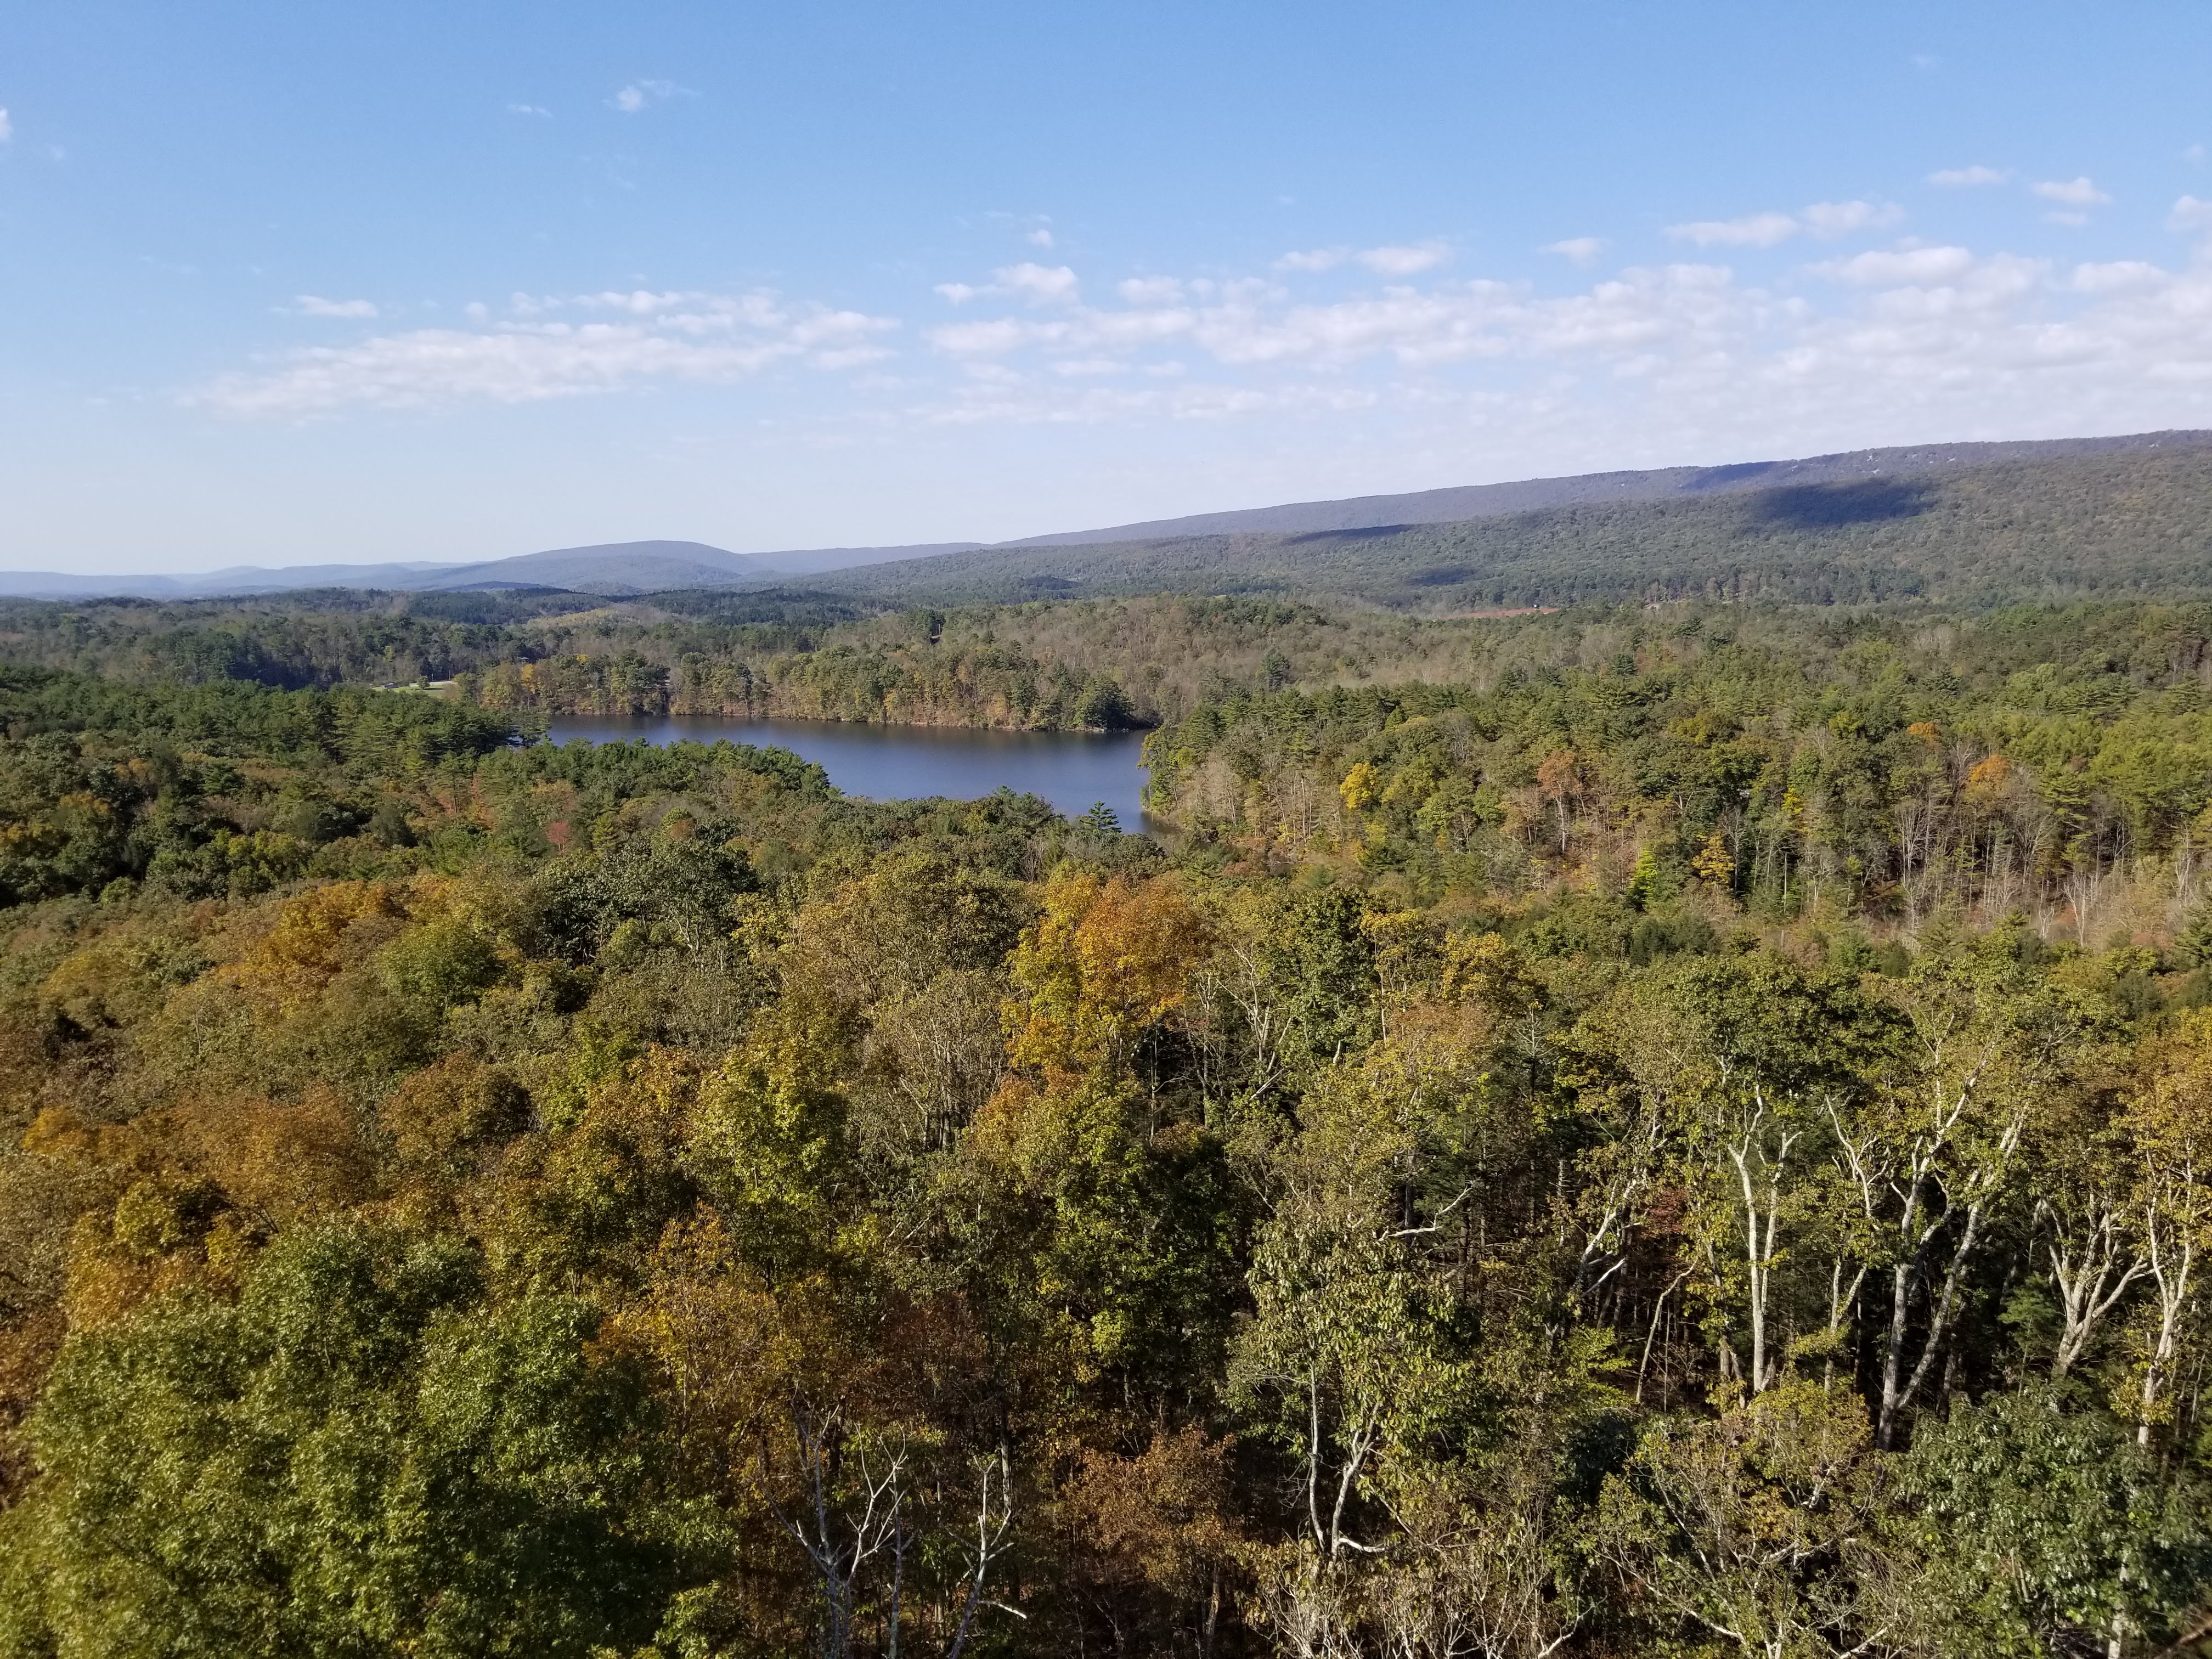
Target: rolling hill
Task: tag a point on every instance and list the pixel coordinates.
(2113, 522)
(2086, 516)
(1591, 489)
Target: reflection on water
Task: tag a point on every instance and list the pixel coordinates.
(1072, 769)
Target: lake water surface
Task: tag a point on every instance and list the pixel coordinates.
(1073, 770)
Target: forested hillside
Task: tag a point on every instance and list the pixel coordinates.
(2111, 525)
(1628, 1132)
(786, 655)
(1457, 504)
(2052, 763)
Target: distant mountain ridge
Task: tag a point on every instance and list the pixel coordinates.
(1465, 502)
(627, 569)
(2119, 521)
(617, 569)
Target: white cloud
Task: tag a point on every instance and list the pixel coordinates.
(638, 302)
(1249, 327)
(638, 94)
(313, 305)
(2115, 276)
(1580, 249)
(2189, 214)
(1919, 265)
(1150, 290)
(1040, 238)
(851, 356)
(1829, 220)
(1966, 178)
(1825, 220)
(1753, 230)
(2070, 192)
(1400, 259)
(1641, 366)
(1001, 337)
(654, 337)
(7, 127)
(1404, 261)
(1677, 358)
(1040, 284)
(530, 109)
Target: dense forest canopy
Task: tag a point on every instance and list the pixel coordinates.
(1664, 1128)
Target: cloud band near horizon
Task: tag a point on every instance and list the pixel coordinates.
(1927, 328)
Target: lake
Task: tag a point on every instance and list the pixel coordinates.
(1073, 770)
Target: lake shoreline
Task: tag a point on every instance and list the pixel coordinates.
(1073, 771)
(1135, 728)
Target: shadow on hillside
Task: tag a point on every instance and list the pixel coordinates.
(1367, 532)
(1724, 478)
(1827, 507)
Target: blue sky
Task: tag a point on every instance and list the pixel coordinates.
(309, 282)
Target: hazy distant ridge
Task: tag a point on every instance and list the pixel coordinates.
(624, 569)
(615, 568)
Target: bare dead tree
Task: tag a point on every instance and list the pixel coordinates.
(994, 1515)
(854, 1512)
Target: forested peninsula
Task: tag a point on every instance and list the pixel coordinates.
(1680, 1127)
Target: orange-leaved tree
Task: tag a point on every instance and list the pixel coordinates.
(1108, 960)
